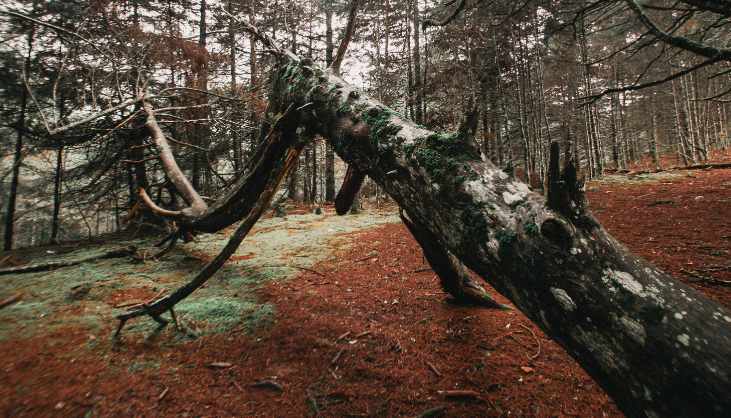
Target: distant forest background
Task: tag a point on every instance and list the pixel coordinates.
(514, 74)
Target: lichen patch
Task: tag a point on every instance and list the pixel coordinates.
(563, 299)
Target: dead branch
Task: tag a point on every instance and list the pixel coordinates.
(157, 308)
(433, 368)
(454, 394)
(678, 41)
(705, 166)
(450, 17)
(697, 277)
(11, 300)
(197, 206)
(437, 411)
(337, 357)
(535, 338)
(118, 253)
(157, 209)
(268, 384)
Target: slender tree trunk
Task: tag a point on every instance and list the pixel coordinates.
(418, 91)
(18, 155)
(314, 173)
(58, 178)
(237, 143)
(329, 152)
(654, 133)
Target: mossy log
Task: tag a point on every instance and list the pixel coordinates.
(658, 347)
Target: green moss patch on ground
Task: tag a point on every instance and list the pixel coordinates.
(90, 294)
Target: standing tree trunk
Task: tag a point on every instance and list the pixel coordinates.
(237, 140)
(329, 152)
(654, 133)
(58, 178)
(18, 155)
(418, 91)
(314, 173)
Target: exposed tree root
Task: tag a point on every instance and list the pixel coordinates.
(118, 253)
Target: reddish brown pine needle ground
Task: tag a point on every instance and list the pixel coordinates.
(374, 336)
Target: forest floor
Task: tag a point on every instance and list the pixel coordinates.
(326, 315)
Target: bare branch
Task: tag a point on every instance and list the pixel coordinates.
(157, 209)
(124, 104)
(679, 41)
(722, 7)
(447, 19)
(634, 87)
(172, 170)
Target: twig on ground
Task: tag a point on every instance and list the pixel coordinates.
(294, 267)
(11, 300)
(365, 258)
(433, 368)
(454, 394)
(163, 394)
(118, 253)
(268, 384)
(437, 411)
(337, 357)
(538, 342)
(704, 279)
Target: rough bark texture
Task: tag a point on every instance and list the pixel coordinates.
(658, 347)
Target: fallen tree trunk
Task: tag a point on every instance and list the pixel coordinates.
(658, 347)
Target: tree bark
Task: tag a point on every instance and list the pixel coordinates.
(329, 152)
